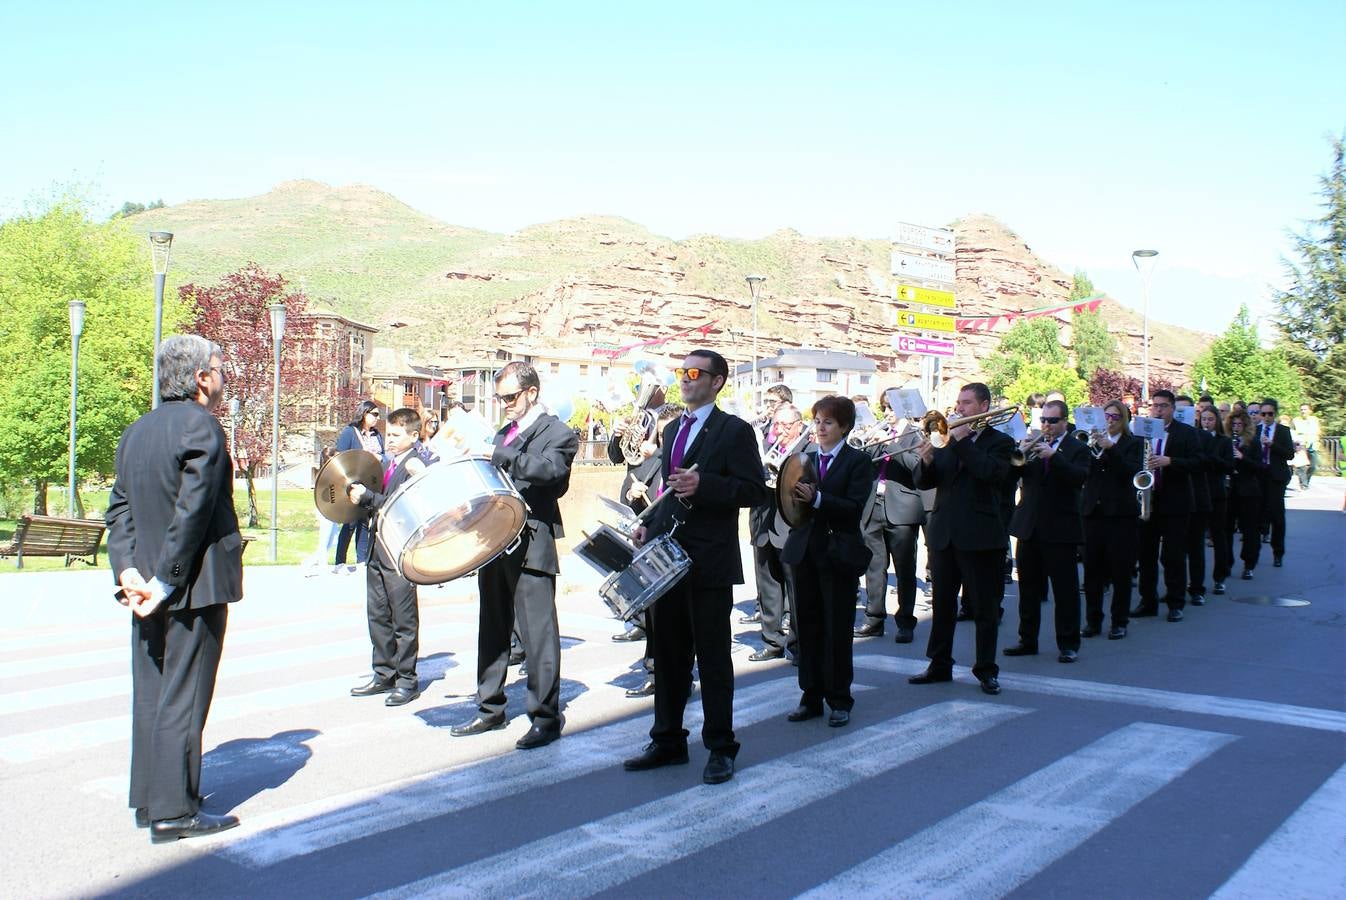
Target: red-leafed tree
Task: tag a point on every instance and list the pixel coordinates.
(1107, 384)
(235, 313)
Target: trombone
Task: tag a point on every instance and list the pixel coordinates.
(934, 427)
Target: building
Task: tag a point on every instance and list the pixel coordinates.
(392, 380)
(340, 350)
(811, 375)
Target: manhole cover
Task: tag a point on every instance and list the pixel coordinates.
(1271, 601)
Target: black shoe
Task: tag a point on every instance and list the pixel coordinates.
(1247, 575)
(1021, 650)
(1218, 590)
(645, 690)
(719, 768)
(1277, 560)
(635, 634)
(767, 653)
(142, 817)
(904, 635)
(198, 825)
(1175, 615)
(1198, 600)
(930, 676)
(803, 713)
(537, 736)
(654, 757)
(864, 631)
(479, 725)
(374, 686)
(838, 717)
(401, 696)
(1091, 631)
(1068, 656)
(990, 684)
(964, 615)
(1116, 632)
(1009, 579)
(751, 618)
(1142, 611)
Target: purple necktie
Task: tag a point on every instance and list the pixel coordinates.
(388, 475)
(680, 443)
(510, 433)
(1266, 448)
(823, 460)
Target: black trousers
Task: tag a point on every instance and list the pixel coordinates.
(1249, 517)
(1197, 523)
(1110, 544)
(1222, 555)
(1273, 513)
(693, 623)
(825, 606)
(978, 574)
(775, 597)
(1163, 538)
(1041, 562)
(360, 530)
(394, 623)
(512, 595)
(895, 544)
(174, 659)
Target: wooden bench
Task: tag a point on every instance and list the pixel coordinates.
(75, 539)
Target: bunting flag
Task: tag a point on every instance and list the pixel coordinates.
(618, 352)
(989, 323)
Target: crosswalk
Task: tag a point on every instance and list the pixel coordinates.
(319, 812)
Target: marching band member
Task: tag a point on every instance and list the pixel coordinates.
(1219, 466)
(1199, 520)
(775, 588)
(1111, 526)
(1278, 448)
(1173, 459)
(1246, 487)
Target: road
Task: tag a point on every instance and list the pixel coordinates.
(1192, 759)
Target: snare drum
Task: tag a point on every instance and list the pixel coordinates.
(450, 520)
(637, 576)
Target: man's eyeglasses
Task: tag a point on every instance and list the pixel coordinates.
(509, 398)
(1050, 420)
(690, 374)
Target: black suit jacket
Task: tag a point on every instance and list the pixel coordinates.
(1173, 484)
(902, 503)
(538, 461)
(845, 491)
(1282, 451)
(1219, 465)
(1250, 474)
(729, 464)
(373, 500)
(1200, 480)
(171, 511)
(1049, 503)
(968, 477)
(1109, 490)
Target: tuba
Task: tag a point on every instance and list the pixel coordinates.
(637, 428)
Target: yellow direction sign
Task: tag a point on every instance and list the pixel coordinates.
(918, 321)
(907, 293)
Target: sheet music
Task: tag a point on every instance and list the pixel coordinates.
(1146, 427)
(905, 402)
(462, 434)
(1015, 427)
(1186, 415)
(1090, 418)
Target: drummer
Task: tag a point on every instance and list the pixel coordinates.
(394, 615)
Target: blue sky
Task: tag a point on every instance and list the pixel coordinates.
(1092, 129)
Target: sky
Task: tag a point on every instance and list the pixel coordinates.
(1091, 129)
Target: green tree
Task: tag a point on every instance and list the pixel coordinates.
(1045, 377)
(1029, 340)
(1311, 312)
(1237, 366)
(1094, 346)
(48, 257)
(1081, 288)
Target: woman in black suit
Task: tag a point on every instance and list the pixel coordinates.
(1246, 489)
(1219, 466)
(361, 433)
(1111, 528)
(826, 555)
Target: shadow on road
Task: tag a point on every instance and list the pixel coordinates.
(239, 770)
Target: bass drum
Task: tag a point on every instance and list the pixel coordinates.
(451, 519)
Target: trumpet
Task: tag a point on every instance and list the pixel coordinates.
(1098, 441)
(776, 456)
(1027, 449)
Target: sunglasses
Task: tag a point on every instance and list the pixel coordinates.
(1050, 420)
(690, 374)
(1112, 417)
(507, 399)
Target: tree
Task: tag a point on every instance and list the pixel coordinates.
(1311, 312)
(1045, 377)
(130, 208)
(49, 256)
(1029, 340)
(1109, 384)
(1236, 366)
(235, 313)
(1095, 347)
(1081, 287)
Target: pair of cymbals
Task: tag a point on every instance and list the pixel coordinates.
(346, 468)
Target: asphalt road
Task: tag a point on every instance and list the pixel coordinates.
(1200, 758)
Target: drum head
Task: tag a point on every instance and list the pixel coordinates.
(463, 538)
(329, 490)
(796, 468)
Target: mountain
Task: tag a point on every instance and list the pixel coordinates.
(610, 281)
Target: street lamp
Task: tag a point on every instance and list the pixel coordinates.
(277, 332)
(76, 329)
(161, 242)
(755, 289)
(1144, 262)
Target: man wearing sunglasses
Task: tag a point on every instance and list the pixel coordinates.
(536, 450)
(1174, 458)
(1278, 448)
(692, 619)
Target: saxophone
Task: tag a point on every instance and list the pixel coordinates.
(1143, 482)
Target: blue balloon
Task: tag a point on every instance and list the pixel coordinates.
(642, 366)
(563, 408)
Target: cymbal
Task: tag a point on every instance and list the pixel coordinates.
(795, 468)
(329, 490)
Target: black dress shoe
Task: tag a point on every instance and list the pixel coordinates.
(645, 690)
(838, 717)
(198, 825)
(1218, 589)
(142, 817)
(904, 635)
(1091, 631)
(1021, 650)
(479, 725)
(373, 686)
(873, 630)
(930, 676)
(1198, 599)
(537, 736)
(654, 757)
(803, 713)
(990, 684)
(401, 696)
(1116, 632)
(1175, 615)
(1068, 656)
(1247, 575)
(719, 768)
(750, 619)
(767, 653)
(1277, 561)
(635, 634)
(1142, 611)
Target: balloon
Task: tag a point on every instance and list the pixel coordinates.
(642, 366)
(563, 407)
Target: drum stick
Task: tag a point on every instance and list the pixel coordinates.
(645, 513)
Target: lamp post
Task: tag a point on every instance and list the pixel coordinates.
(277, 332)
(161, 242)
(76, 329)
(755, 289)
(1144, 262)
(233, 434)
